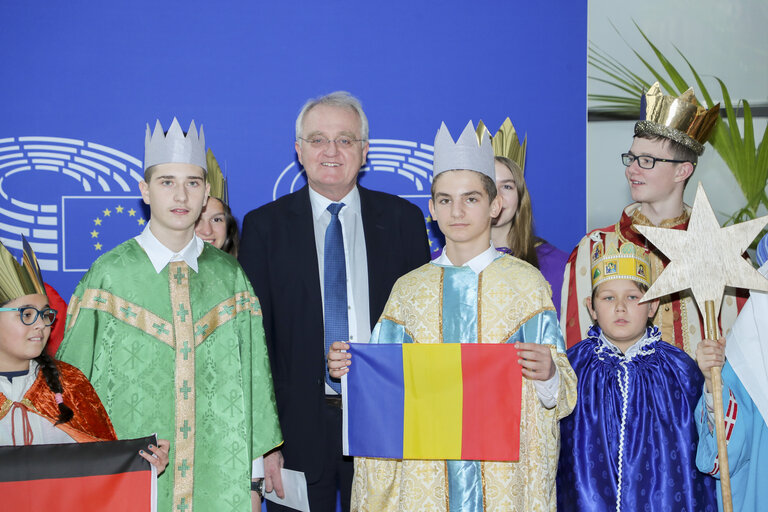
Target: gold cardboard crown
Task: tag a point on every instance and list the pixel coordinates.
(17, 280)
(219, 188)
(506, 143)
(680, 119)
(614, 260)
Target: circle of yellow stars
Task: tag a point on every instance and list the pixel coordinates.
(108, 213)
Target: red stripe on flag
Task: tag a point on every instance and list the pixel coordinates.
(492, 381)
(122, 492)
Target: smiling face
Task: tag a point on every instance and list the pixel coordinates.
(665, 181)
(331, 169)
(507, 189)
(212, 224)
(176, 194)
(18, 342)
(463, 210)
(617, 310)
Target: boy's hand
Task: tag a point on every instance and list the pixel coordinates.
(536, 361)
(710, 354)
(338, 361)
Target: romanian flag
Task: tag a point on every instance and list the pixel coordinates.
(433, 401)
(87, 477)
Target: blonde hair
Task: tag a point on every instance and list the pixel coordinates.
(521, 240)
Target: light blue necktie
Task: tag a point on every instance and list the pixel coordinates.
(335, 287)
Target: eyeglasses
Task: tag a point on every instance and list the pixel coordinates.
(321, 142)
(29, 314)
(647, 162)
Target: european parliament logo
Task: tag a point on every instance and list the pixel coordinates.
(73, 200)
(400, 167)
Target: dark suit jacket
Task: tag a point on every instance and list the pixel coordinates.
(279, 256)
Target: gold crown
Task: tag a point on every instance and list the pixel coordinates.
(680, 119)
(506, 143)
(614, 260)
(219, 188)
(17, 280)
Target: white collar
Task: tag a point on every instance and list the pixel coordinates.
(320, 203)
(14, 390)
(160, 255)
(639, 348)
(477, 264)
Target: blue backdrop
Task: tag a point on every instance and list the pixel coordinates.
(80, 81)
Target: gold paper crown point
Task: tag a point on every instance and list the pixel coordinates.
(616, 260)
(219, 188)
(482, 130)
(30, 263)
(689, 96)
(506, 143)
(17, 280)
(681, 119)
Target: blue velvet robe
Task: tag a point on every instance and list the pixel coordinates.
(630, 443)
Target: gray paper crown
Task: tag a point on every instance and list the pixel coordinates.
(466, 153)
(160, 148)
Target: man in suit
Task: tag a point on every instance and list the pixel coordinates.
(322, 261)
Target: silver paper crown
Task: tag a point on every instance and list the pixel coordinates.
(174, 147)
(467, 153)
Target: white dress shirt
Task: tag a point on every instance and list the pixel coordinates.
(160, 255)
(43, 431)
(355, 257)
(545, 389)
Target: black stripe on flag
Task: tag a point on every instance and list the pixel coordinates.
(44, 461)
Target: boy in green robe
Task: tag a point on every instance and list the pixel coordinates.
(169, 332)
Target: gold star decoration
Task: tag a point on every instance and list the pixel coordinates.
(141, 222)
(119, 208)
(132, 212)
(97, 221)
(106, 212)
(97, 246)
(706, 258)
(94, 234)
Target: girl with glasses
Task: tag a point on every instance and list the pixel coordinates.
(42, 400)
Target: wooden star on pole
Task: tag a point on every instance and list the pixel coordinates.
(706, 258)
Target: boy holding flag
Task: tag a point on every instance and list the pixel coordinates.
(473, 294)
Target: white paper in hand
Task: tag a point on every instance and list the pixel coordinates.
(295, 488)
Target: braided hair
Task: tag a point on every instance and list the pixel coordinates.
(51, 373)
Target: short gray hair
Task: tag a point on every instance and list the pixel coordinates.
(339, 99)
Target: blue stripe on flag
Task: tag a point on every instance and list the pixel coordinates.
(375, 400)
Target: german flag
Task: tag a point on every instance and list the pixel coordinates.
(87, 477)
(458, 401)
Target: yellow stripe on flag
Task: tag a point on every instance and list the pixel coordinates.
(433, 401)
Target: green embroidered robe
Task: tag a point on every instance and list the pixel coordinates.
(180, 353)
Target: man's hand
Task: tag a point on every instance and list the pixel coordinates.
(536, 361)
(273, 479)
(710, 354)
(338, 361)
